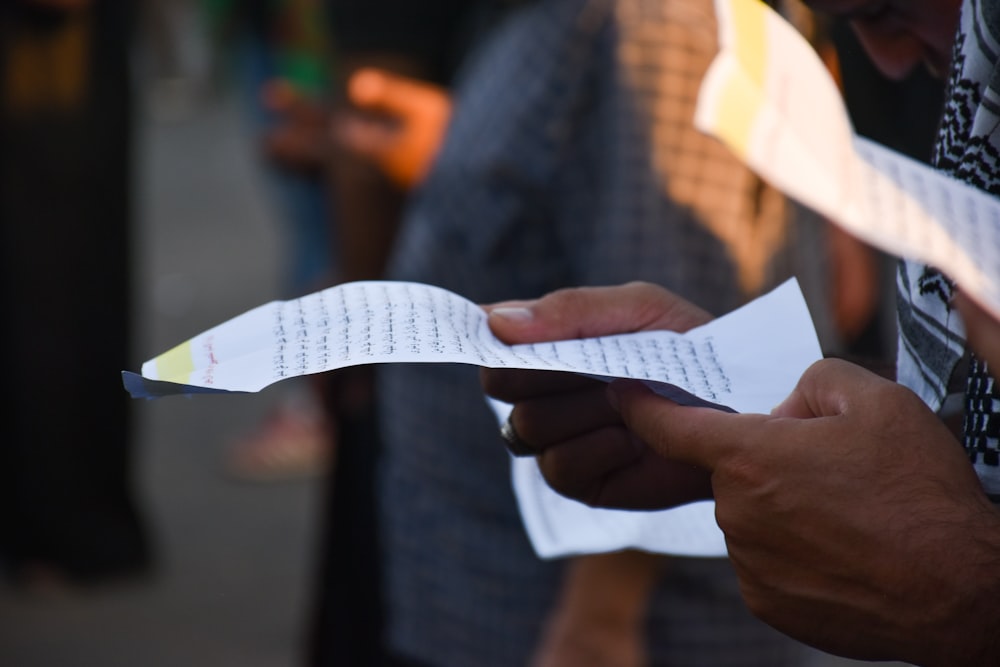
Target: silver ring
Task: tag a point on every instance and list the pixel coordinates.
(515, 445)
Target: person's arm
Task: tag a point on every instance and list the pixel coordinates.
(396, 122)
(600, 615)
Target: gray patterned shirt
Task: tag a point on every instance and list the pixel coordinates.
(571, 160)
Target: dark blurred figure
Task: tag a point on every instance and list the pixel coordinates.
(67, 509)
(904, 115)
(281, 58)
(425, 41)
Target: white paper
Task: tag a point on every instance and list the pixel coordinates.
(558, 526)
(768, 96)
(747, 361)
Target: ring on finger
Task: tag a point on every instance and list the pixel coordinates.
(515, 445)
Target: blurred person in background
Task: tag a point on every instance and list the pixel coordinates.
(425, 41)
(570, 158)
(851, 475)
(279, 52)
(68, 512)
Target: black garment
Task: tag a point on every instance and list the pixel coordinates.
(436, 33)
(903, 115)
(348, 615)
(65, 494)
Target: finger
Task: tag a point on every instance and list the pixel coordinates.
(698, 436)
(369, 137)
(827, 389)
(383, 92)
(579, 468)
(593, 311)
(611, 468)
(515, 445)
(554, 418)
(704, 437)
(513, 386)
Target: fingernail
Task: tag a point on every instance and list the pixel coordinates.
(513, 313)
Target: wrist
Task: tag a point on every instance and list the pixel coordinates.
(609, 589)
(964, 631)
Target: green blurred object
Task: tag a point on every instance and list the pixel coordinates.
(295, 32)
(302, 43)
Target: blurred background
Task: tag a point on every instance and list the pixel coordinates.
(225, 583)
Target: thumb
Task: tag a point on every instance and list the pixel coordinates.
(587, 312)
(826, 389)
(390, 94)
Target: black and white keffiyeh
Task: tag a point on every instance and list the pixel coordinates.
(931, 338)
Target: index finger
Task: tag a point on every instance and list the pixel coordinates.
(695, 435)
(828, 388)
(511, 385)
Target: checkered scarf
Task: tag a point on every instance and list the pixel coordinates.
(931, 339)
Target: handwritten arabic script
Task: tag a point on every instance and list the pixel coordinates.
(392, 322)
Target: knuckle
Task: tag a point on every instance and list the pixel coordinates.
(528, 418)
(559, 469)
(499, 383)
(490, 380)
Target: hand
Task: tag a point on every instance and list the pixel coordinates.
(852, 516)
(584, 449)
(398, 123)
(298, 141)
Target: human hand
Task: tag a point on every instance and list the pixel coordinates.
(852, 516)
(398, 123)
(298, 141)
(584, 449)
